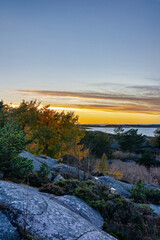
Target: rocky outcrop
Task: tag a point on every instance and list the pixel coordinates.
(45, 216)
(117, 186)
(53, 165)
(81, 208)
(120, 187)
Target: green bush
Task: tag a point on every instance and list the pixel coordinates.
(52, 188)
(68, 186)
(144, 195)
(44, 170)
(35, 180)
(12, 142)
(90, 191)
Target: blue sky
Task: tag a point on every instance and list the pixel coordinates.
(96, 47)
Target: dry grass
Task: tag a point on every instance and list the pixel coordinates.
(125, 155)
(132, 172)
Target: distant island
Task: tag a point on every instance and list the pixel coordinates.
(122, 125)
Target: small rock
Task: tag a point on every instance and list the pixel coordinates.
(58, 178)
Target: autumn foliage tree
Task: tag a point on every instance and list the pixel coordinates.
(47, 131)
(103, 166)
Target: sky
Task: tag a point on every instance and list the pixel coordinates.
(98, 58)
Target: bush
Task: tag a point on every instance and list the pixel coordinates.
(68, 186)
(132, 172)
(125, 155)
(44, 170)
(35, 180)
(12, 142)
(67, 175)
(123, 219)
(52, 188)
(90, 191)
(144, 195)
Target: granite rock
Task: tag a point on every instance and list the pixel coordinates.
(44, 217)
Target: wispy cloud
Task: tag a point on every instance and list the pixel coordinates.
(111, 102)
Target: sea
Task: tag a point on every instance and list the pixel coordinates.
(147, 131)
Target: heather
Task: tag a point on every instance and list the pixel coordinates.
(132, 172)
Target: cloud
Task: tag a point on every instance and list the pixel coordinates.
(94, 95)
(105, 101)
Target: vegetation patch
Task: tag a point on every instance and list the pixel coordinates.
(142, 194)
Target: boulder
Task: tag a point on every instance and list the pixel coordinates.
(117, 186)
(58, 178)
(39, 159)
(120, 187)
(52, 165)
(44, 217)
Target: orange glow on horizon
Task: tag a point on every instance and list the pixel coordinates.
(96, 116)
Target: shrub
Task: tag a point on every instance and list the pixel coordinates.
(123, 219)
(90, 191)
(142, 194)
(52, 188)
(132, 172)
(67, 175)
(68, 186)
(44, 170)
(125, 155)
(35, 180)
(138, 192)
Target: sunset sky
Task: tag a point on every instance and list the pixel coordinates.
(99, 58)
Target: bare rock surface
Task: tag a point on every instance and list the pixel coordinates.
(82, 208)
(57, 178)
(39, 159)
(52, 164)
(7, 230)
(43, 217)
(155, 208)
(118, 186)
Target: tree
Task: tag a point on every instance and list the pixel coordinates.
(118, 130)
(47, 132)
(79, 152)
(4, 114)
(103, 166)
(12, 142)
(131, 141)
(26, 114)
(97, 142)
(147, 159)
(156, 139)
(55, 132)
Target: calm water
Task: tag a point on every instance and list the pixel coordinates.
(145, 131)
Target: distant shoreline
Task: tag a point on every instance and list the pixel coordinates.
(121, 125)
